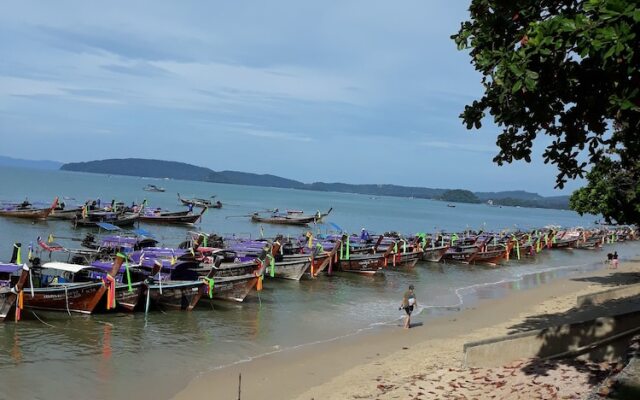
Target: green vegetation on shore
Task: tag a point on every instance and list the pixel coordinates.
(459, 196)
(178, 170)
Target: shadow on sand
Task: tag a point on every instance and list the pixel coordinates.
(565, 332)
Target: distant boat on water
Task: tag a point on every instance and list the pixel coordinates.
(198, 202)
(451, 205)
(153, 188)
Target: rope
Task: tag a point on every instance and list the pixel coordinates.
(31, 283)
(38, 318)
(66, 298)
(146, 306)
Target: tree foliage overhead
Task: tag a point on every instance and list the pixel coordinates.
(569, 69)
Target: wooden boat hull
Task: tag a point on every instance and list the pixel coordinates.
(180, 295)
(320, 263)
(7, 303)
(233, 288)
(526, 250)
(491, 257)
(434, 254)
(403, 260)
(281, 221)
(128, 300)
(564, 244)
(122, 222)
(589, 245)
(368, 264)
(170, 219)
(65, 214)
(26, 214)
(465, 256)
(78, 297)
(292, 270)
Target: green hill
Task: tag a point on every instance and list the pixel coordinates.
(179, 170)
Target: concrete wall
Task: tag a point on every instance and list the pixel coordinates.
(607, 295)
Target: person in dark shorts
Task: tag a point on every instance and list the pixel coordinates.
(408, 303)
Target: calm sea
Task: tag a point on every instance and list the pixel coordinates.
(154, 356)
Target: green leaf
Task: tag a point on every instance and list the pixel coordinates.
(516, 87)
(610, 52)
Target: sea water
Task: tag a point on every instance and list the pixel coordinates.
(153, 356)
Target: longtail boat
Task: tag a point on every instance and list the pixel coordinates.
(70, 287)
(198, 202)
(368, 264)
(288, 218)
(57, 294)
(230, 281)
(323, 260)
(292, 269)
(9, 294)
(180, 289)
(127, 287)
(28, 212)
(434, 254)
(153, 188)
(362, 262)
(93, 219)
(401, 254)
(564, 240)
(65, 213)
(461, 254)
(172, 219)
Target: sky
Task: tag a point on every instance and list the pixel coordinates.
(332, 91)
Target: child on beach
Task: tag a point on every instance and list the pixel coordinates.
(609, 258)
(408, 302)
(614, 260)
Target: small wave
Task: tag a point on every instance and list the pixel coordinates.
(517, 278)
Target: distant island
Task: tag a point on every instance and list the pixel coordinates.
(31, 164)
(179, 170)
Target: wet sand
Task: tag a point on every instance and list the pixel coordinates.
(422, 362)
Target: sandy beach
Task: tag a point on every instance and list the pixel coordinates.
(426, 361)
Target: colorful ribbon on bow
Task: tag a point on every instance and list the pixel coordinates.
(272, 266)
(210, 284)
(19, 305)
(348, 255)
(111, 292)
(126, 268)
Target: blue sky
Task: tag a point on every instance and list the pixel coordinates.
(350, 91)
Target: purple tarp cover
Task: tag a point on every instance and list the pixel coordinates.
(9, 268)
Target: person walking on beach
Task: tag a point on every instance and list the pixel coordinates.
(614, 260)
(408, 303)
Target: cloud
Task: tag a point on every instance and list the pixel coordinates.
(362, 79)
(142, 69)
(476, 148)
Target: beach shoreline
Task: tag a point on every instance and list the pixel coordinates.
(350, 366)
